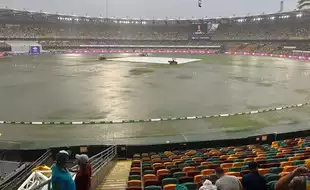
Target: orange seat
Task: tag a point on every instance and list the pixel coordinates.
(232, 158)
(207, 172)
(188, 168)
(224, 157)
(135, 169)
(134, 183)
(289, 168)
(197, 178)
(155, 165)
(170, 187)
(172, 157)
(155, 156)
(282, 174)
(263, 171)
(238, 164)
(168, 164)
(293, 158)
(156, 160)
(283, 164)
(261, 156)
(136, 161)
(237, 174)
(168, 153)
(226, 165)
(190, 153)
(287, 151)
(225, 169)
(146, 159)
(299, 154)
(162, 171)
(185, 157)
(205, 163)
(149, 177)
(259, 159)
(197, 159)
(248, 159)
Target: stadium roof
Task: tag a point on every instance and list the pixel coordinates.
(26, 15)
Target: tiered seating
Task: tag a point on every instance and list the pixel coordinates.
(165, 170)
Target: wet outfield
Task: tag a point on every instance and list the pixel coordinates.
(81, 88)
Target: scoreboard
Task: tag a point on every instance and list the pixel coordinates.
(200, 32)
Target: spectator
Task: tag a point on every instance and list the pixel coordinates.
(61, 177)
(226, 182)
(83, 175)
(297, 180)
(253, 180)
(207, 185)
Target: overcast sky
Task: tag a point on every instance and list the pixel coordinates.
(153, 8)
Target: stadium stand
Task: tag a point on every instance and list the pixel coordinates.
(164, 170)
(281, 33)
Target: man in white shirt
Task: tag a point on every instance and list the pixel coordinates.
(227, 182)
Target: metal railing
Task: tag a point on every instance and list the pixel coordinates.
(18, 179)
(97, 161)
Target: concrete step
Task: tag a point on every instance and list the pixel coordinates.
(117, 178)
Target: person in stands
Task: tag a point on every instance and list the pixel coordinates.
(207, 185)
(61, 177)
(84, 173)
(299, 179)
(226, 182)
(253, 180)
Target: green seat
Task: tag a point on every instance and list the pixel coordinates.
(271, 184)
(273, 177)
(190, 185)
(179, 174)
(134, 177)
(234, 169)
(244, 167)
(200, 168)
(217, 162)
(153, 187)
(298, 162)
(148, 172)
(181, 187)
(147, 163)
(169, 180)
(238, 160)
(275, 170)
(189, 162)
(182, 165)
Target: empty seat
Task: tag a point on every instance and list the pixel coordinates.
(134, 177)
(237, 174)
(207, 172)
(153, 187)
(151, 182)
(162, 171)
(149, 177)
(170, 187)
(190, 186)
(179, 174)
(167, 181)
(134, 183)
(186, 179)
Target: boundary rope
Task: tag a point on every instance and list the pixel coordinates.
(150, 120)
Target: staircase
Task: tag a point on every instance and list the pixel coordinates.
(117, 178)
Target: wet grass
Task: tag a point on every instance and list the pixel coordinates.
(140, 71)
